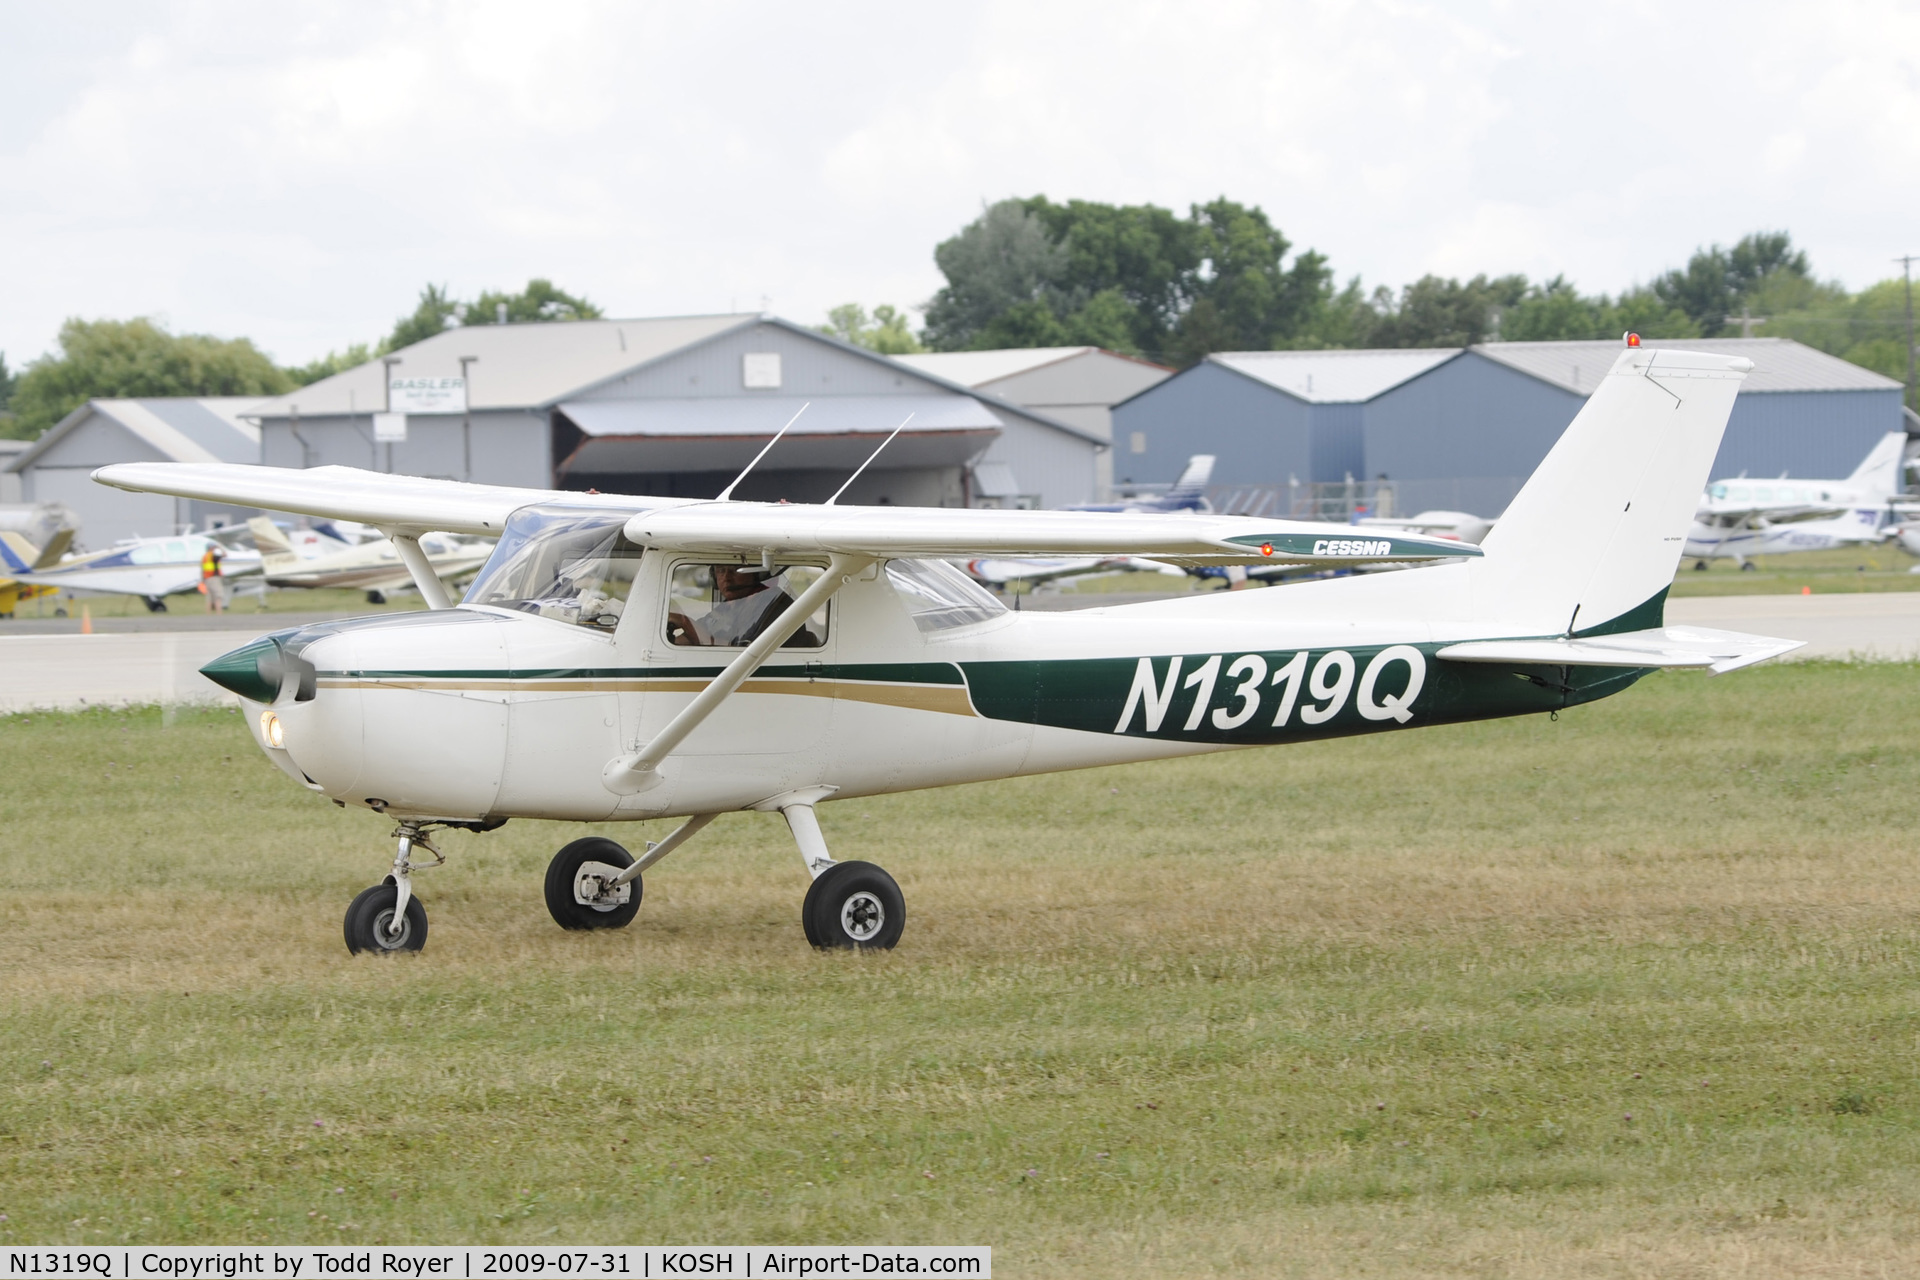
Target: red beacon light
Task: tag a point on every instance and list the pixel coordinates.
(1633, 339)
(1266, 548)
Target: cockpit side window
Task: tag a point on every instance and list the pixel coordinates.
(939, 596)
(569, 565)
(724, 605)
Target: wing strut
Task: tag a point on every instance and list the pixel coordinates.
(432, 590)
(638, 770)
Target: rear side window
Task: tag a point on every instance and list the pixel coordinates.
(724, 605)
(939, 596)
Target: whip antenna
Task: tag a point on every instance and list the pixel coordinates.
(870, 457)
(726, 494)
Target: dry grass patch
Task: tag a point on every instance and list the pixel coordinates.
(1631, 993)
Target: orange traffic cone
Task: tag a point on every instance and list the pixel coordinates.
(86, 621)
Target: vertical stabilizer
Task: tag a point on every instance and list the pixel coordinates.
(1598, 529)
(1194, 480)
(1879, 474)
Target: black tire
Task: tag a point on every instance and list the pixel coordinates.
(854, 906)
(376, 597)
(561, 872)
(369, 916)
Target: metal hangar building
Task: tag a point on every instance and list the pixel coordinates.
(676, 407)
(1462, 428)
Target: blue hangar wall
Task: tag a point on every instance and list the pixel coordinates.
(1463, 436)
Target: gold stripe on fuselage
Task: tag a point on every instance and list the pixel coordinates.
(947, 699)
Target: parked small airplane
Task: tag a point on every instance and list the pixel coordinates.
(1188, 493)
(1744, 517)
(622, 658)
(373, 567)
(1460, 525)
(151, 568)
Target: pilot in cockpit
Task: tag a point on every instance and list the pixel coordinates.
(746, 603)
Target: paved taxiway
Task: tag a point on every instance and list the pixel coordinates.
(144, 660)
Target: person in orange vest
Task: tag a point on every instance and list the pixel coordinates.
(211, 582)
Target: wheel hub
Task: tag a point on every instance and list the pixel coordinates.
(862, 916)
(593, 887)
(384, 934)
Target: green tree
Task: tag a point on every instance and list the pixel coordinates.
(333, 362)
(1134, 278)
(7, 380)
(1244, 298)
(100, 358)
(1556, 311)
(539, 301)
(1001, 260)
(1868, 328)
(1717, 283)
(435, 314)
(887, 331)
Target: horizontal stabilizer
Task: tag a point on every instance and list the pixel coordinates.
(1718, 651)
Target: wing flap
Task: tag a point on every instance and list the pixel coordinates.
(1718, 651)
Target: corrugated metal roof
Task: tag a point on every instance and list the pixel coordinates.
(213, 424)
(762, 416)
(1779, 364)
(520, 366)
(1335, 377)
(976, 368)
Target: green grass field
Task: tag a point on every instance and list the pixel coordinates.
(1634, 993)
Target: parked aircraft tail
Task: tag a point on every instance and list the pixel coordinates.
(1880, 471)
(21, 556)
(16, 553)
(1193, 481)
(276, 551)
(1591, 542)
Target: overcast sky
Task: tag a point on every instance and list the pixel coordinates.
(296, 173)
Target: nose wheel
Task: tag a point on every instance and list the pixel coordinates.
(370, 922)
(387, 917)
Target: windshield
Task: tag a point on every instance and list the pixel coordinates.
(939, 596)
(560, 563)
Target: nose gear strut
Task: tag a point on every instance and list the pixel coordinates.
(387, 917)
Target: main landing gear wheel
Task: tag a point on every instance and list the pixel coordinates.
(370, 922)
(854, 905)
(580, 889)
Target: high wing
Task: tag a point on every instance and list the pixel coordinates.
(412, 505)
(879, 532)
(406, 504)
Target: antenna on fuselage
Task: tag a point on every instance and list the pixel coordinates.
(870, 457)
(726, 494)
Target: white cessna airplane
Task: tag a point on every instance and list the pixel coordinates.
(1746, 517)
(623, 658)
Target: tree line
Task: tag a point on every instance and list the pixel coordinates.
(1137, 279)
(139, 357)
(1146, 281)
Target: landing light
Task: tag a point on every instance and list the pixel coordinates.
(272, 730)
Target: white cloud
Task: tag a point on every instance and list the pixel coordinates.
(297, 175)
